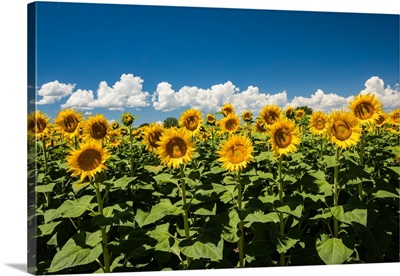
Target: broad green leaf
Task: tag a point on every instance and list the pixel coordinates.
(83, 248)
(154, 169)
(77, 186)
(123, 182)
(353, 211)
(206, 209)
(203, 247)
(47, 229)
(157, 212)
(330, 161)
(165, 178)
(45, 188)
(70, 209)
(259, 216)
(332, 250)
(165, 241)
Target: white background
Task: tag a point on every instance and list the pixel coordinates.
(13, 76)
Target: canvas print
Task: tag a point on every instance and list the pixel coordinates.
(180, 138)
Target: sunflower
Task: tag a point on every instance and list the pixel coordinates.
(204, 136)
(259, 127)
(236, 153)
(115, 139)
(210, 119)
(381, 121)
(37, 124)
(394, 117)
(289, 111)
(285, 136)
(114, 125)
(96, 128)
(88, 160)
(299, 113)
(318, 122)
(270, 114)
(191, 120)
(139, 132)
(366, 107)
(247, 116)
(227, 109)
(127, 119)
(68, 122)
(151, 136)
(175, 147)
(123, 131)
(230, 123)
(343, 129)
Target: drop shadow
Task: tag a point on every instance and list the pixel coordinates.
(21, 267)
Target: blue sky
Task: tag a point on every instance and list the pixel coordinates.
(158, 61)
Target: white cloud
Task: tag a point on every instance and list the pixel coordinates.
(389, 97)
(127, 92)
(79, 100)
(322, 101)
(54, 91)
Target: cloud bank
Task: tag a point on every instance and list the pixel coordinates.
(128, 93)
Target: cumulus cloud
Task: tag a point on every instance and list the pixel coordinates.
(127, 92)
(54, 91)
(322, 101)
(389, 97)
(79, 100)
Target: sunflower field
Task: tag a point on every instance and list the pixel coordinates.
(223, 190)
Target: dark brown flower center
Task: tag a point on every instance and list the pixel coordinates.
(364, 111)
(191, 123)
(38, 125)
(231, 124)
(270, 117)
(176, 147)
(98, 130)
(89, 159)
(70, 123)
(154, 137)
(320, 124)
(282, 138)
(341, 130)
(237, 154)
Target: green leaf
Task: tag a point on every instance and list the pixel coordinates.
(70, 209)
(330, 161)
(353, 211)
(157, 212)
(154, 169)
(165, 241)
(83, 248)
(166, 178)
(203, 247)
(47, 229)
(123, 182)
(259, 216)
(332, 250)
(45, 188)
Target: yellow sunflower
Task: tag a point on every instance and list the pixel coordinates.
(227, 109)
(88, 160)
(270, 114)
(37, 124)
(259, 127)
(247, 116)
(230, 123)
(139, 132)
(96, 128)
(381, 121)
(210, 119)
(366, 108)
(151, 136)
(289, 111)
(114, 125)
(68, 122)
(299, 113)
(204, 136)
(284, 137)
(343, 129)
(115, 138)
(318, 123)
(191, 120)
(175, 147)
(394, 117)
(235, 153)
(123, 131)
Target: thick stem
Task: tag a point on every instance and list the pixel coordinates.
(130, 149)
(281, 223)
(106, 254)
(185, 212)
(360, 187)
(45, 156)
(336, 193)
(241, 239)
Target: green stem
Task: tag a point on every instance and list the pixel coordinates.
(322, 147)
(130, 149)
(45, 156)
(106, 255)
(335, 193)
(185, 212)
(241, 239)
(281, 223)
(360, 187)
